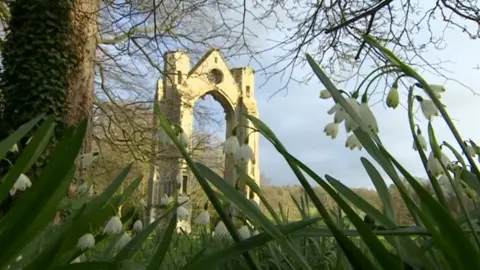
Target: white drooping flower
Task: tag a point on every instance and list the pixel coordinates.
(113, 226)
(421, 141)
(367, 115)
(19, 258)
(22, 183)
(221, 230)
(143, 203)
(137, 226)
(165, 200)
(331, 130)
(437, 89)
(339, 112)
(86, 241)
(244, 154)
(231, 145)
(393, 97)
(203, 218)
(434, 165)
(14, 148)
(429, 109)
(88, 158)
(470, 150)
(353, 142)
(256, 232)
(325, 94)
(183, 139)
(244, 232)
(123, 241)
(182, 213)
(350, 124)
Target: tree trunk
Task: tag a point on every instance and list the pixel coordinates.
(79, 100)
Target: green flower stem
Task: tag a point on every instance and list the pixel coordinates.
(378, 76)
(384, 69)
(423, 157)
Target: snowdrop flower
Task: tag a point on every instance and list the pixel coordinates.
(470, 150)
(91, 191)
(367, 115)
(244, 232)
(77, 260)
(182, 213)
(434, 165)
(350, 124)
(331, 130)
(203, 218)
(437, 89)
(138, 226)
(86, 241)
(22, 183)
(143, 203)
(244, 154)
(421, 141)
(256, 232)
(165, 200)
(353, 142)
(88, 158)
(220, 230)
(19, 258)
(182, 137)
(325, 94)
(339, 113)
(113, 226)
(14, 148)
(393, 98)
(429, 109)
(231, 145)
(123, 241)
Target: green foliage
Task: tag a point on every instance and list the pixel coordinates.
(38, 59)
(328, 238)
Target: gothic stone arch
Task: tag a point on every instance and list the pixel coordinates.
(178, 92)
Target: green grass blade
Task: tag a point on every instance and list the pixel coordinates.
(162, 248)
(7, 143)
(89, 266)
(216, 259)
(31, 153)
(37, 206)
(252, 211)
(132, 247)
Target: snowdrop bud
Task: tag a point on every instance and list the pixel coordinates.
(470, 150)
(231, 145)
(367, 115)
(86, 241)
(331, 129)
(421, 141)
(325, 94)
(143, 203)
(244, 232)
(437, 89)
(244, 154)
(88, 158)
(138, 226)
(165, 200)
(182, 213)
(393, 97)
(182, 137)
(203, 218)
(220, 230)
(353, 142)
(22, 183)
(19, 258)
(113, 226)
(256, 232)
(434, 165)
(123, 241)
(429, 109)
(14, 148)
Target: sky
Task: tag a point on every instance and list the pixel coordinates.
(299, 117)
